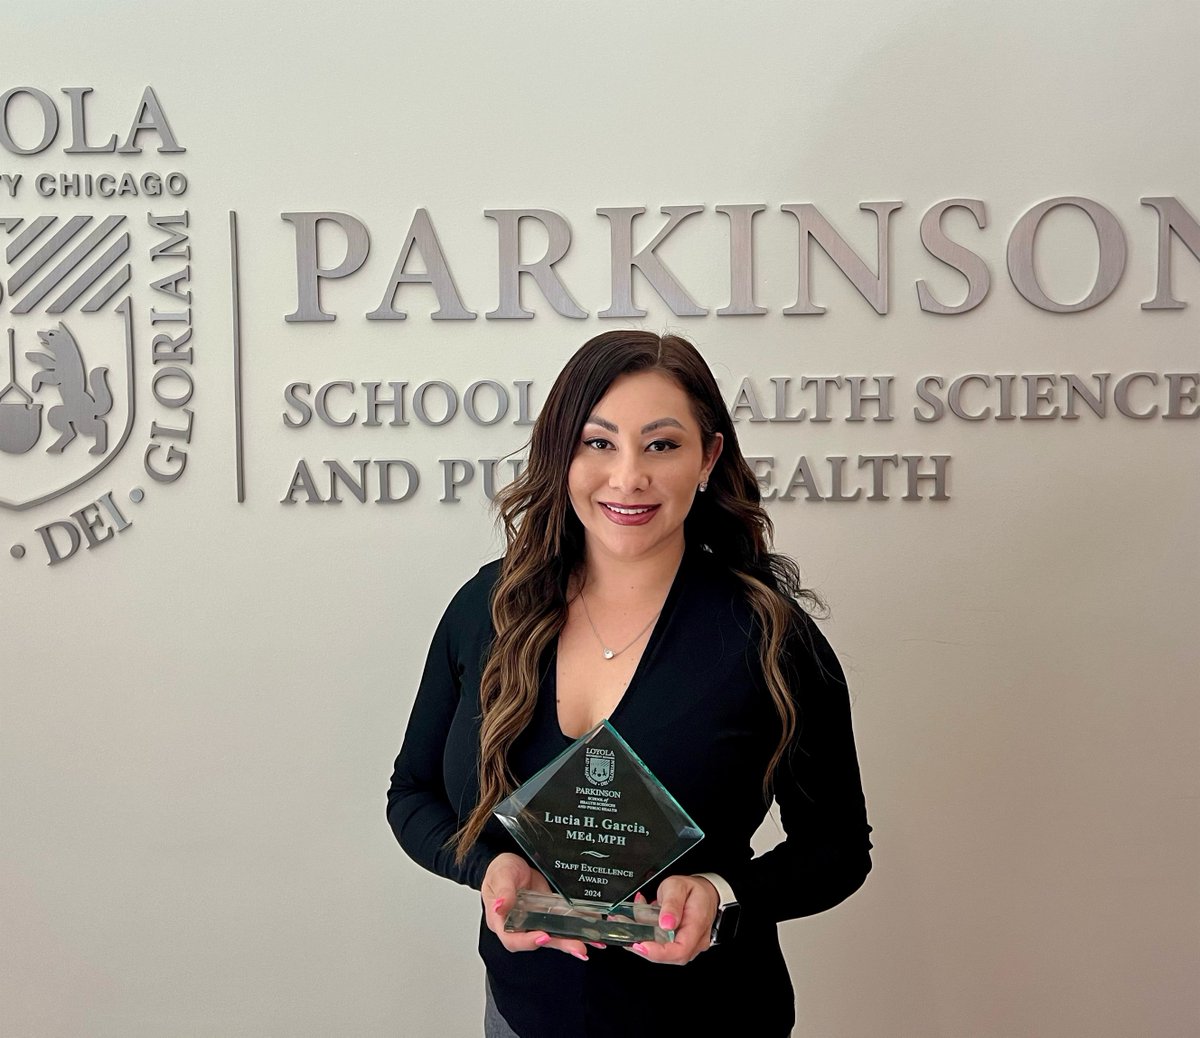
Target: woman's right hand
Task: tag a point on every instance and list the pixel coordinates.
(507, 874)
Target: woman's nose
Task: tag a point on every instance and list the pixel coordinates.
(629, 472)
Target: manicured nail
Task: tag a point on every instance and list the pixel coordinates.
(639, 898)
(541, 939)
(639, 948)
(581, 956)
(667, 922)
(597, 944)
(497, 903)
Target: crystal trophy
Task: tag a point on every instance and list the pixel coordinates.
(599, 826)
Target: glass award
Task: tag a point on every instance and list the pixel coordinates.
(599, 826)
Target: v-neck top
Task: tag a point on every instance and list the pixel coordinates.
(698, 713)
(552, 676)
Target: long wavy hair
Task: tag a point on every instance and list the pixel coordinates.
(545, 548)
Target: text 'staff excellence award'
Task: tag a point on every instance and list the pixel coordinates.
(600, 826)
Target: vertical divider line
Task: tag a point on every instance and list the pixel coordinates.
(235, 295)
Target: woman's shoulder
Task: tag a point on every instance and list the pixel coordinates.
(720, 579)
(803, 638)
(472, 601)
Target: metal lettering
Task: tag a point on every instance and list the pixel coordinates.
(456, 473)
(1173, 219)
(49, 121)
(292, 399)
(375, 402)
(412, 481)
(926, 395)
(1177, 394)
(338, 474)
(813, 226)
(1121, 394)
(302, 480)
(1036, 394)
(1109, 236)
(746, 398)
(423, 237)
(161, 375)
(877, 461)
(741, 260)
(802, 477)
(323, 406)
(501, 402)
(420, 410)
(53, 553)
(150, 116)
(558, 233)
(967, 263)
(781, 403)
(822, 382)
(309, 272)
(762, 467)
(882, 397)
(837, 465)
(159, 350)
(1097, 402)
(79, 144)
(174, 457)
(92, 524)
(954, 398)
(623, 260)
(916, 477)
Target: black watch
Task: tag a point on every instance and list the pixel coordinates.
(725, 922)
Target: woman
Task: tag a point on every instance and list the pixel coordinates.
(638, 585)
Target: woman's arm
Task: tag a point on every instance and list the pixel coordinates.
(419, 806)
(826, 854)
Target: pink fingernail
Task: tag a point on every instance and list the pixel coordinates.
(639, 948)
(541, 939)
(497, 903)
(667, 922)
(639, 898)
(581, 956)
(597, 944)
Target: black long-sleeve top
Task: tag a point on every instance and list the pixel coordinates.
(698, 713)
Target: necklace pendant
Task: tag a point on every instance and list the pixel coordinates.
(609, 654)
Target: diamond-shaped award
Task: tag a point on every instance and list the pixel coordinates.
(599, 826)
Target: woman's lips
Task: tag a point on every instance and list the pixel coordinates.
(628, 515)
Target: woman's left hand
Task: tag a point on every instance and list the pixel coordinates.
(687, 905)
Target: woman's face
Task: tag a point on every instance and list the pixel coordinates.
(637, 467)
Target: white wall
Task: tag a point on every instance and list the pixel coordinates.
(199, 716)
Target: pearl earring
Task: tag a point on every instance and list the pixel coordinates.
(704, 486)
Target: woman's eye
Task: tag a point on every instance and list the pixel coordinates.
(662, 446)
(597, 443)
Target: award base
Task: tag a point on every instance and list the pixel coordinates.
(623, 924)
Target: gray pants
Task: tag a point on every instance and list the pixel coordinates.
(494, 1025)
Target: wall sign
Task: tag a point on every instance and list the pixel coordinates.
(97, 362)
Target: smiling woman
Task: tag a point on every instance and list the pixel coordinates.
(635, 474)
(638, 586)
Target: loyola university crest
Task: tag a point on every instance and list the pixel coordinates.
(600, 766)
(66, 406)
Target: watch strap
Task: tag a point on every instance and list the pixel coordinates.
(725, 893)
(725, 921)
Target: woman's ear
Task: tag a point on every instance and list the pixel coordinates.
(713, 453)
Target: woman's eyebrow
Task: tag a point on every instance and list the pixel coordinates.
(662, 423)
(658, 423)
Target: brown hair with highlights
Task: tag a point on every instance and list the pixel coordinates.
(545, 547)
